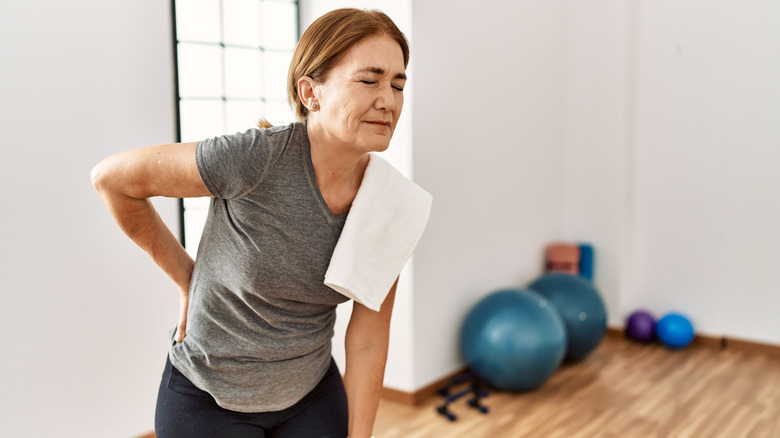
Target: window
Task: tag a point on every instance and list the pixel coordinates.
(232, 58)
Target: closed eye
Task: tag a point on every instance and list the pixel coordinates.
(395, 87)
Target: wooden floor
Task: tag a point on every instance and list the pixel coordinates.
(622, 390)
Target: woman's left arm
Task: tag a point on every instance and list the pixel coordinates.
(367, 338)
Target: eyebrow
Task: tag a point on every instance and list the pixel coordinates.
(380, 71)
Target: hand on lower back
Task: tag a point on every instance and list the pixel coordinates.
(181, 328)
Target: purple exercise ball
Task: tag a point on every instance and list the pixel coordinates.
(640, 326)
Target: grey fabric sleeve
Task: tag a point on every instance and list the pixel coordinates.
(233, 165)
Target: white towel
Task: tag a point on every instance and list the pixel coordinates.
(384, 224)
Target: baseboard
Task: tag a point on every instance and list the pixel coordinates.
(615, 332)
(419, 396)
(771, 350)
(396, 395)
(718, 342)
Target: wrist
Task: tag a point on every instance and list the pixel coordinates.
(185, 276)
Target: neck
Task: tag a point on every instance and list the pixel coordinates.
(336, 165)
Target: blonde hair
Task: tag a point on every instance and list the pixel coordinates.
(326, 41)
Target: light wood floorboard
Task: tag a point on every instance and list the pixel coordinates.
(622, 390)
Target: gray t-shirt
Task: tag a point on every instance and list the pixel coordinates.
(260, 319)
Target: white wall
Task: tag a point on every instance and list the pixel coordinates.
(598, 121)
(707, 161)
(672, 155)
(85, 314)
(645, 128)
(488, 144)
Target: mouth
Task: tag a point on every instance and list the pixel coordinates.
(378, 123)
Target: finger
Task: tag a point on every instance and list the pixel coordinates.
(181, 333)
(181, 329)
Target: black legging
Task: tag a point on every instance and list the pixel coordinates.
(184, 411)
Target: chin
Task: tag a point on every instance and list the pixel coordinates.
(374, 145)
(381, 148)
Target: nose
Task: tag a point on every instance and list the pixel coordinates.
(385, 100)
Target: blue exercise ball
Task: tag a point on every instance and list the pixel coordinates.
(513, 339)
(674, 331)
(581, 308)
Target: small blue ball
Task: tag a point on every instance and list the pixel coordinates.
(674, 331)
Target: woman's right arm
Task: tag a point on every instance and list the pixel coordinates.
(127, 180)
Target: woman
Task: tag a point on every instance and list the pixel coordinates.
(251, 352)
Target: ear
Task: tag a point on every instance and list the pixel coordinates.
(306, 94)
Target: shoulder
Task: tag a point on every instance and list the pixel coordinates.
(282, 129)
(232, 165)
(271, 139)
(294, 132)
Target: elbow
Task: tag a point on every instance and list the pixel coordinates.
(94, 176)
(118, 177)
(107, 177)
(98, 176)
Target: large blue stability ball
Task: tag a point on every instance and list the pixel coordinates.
(674, 330)
(581, 308)
(513, 339)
